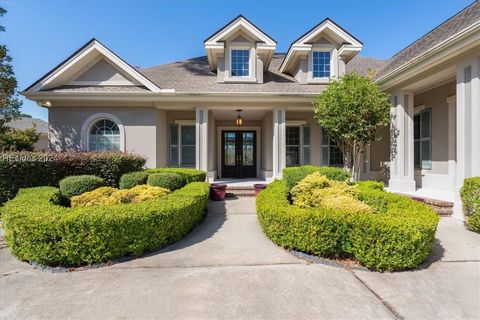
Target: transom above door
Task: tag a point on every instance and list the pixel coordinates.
(239, 154)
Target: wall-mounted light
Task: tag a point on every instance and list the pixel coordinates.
(239, 120)
(46, 104)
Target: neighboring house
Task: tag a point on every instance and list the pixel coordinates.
(40, 126)
(187, 113)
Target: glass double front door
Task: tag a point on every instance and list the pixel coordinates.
(239, 154)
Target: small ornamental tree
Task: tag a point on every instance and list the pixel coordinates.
(351, 110)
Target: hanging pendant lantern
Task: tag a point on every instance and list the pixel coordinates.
(239, 120)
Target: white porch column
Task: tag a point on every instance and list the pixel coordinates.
(452, 163)
(468, 122)
(201, 138)
(402, 165)
(279, 150)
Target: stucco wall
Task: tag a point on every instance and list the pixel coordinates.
(436, 100)
(140, 124)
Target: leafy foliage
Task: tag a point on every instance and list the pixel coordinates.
(31, 169)
(470, 194)
(189, 175)
(132, 179)
(350, 110)
(76, 185)
(169, 180)
(293, 175)
(9, 101)
(112, 196)
(38, 230)
(18, 140)
(398, 236)
(315, 190)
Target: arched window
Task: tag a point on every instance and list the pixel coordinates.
(104, 135)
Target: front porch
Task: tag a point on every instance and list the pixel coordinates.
(435, 121)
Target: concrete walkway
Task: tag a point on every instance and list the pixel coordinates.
(227, 269)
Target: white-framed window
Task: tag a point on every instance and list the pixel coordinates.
(331, 153)
(182, 145)
(297, 141)
(104, 135)
(102, 132)
(321, 64)
(422, 139)
(240, 62)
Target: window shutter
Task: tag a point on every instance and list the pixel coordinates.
(306, 144)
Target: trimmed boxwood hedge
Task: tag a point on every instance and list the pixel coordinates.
(470, 194)
(169, 180)
(40, 231)
(293, 175)
(399, 235)
(76, 185)
(32, 169)
(189, 175)
(132, 179)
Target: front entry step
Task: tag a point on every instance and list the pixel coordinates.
(442, 208)
(240, 191)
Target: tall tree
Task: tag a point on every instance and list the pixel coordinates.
(9, 101)
(351, 110)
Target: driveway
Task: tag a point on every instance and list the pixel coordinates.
(227, 269)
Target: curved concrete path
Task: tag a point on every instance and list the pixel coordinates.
(227, 269)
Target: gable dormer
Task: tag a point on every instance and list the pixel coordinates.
(320, 54)
(239, 52)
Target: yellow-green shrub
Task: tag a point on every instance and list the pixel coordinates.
(316, 190)
(112, 196)
(345, 203)
(38, 230)
(92, 198)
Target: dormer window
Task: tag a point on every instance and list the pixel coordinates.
(321, 64)
(239, 52)
(240, 63)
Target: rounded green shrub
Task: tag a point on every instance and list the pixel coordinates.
(132, 179)
(40, 231)
(169, 180)
(76, 185)
(398, 234)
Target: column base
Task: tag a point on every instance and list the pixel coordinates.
(398, 185)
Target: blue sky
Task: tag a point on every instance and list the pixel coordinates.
(40, 34)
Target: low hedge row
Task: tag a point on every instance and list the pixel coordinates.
(38, 230)
(293, 175)
(186, 175)
(470, 194)
(189, 175)
(398, 235)
(31, 169)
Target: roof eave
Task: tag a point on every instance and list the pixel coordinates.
(473, 29)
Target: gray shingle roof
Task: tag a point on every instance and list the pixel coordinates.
(452, 26)
(26, 123)
(194, 75)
